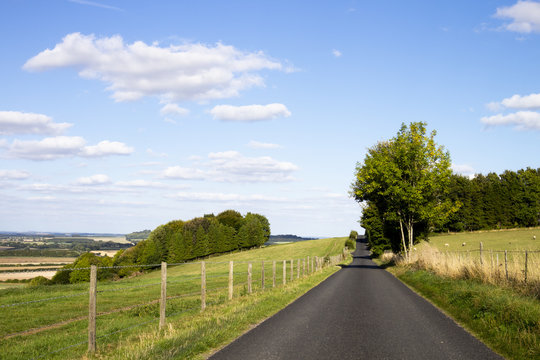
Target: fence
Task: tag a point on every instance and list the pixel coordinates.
(167, 295)
(493, 266)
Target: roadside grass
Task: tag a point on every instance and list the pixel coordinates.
(503, 312)
(507, 322)
(129, 307)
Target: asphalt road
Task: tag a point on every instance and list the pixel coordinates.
(360, 312)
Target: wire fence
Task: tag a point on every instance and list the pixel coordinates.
(201, 284)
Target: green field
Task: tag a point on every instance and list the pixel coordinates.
(512, 239)
(127, 311)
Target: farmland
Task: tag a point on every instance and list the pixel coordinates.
(129, 316)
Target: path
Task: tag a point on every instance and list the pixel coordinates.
(360, 312)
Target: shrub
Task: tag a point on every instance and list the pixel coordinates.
(40, 280)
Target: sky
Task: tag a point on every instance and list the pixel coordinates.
(121, 115)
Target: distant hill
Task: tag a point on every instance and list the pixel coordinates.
(286, 238)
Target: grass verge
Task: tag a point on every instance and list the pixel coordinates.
(507, 322)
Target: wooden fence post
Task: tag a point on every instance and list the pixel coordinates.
(303, 267)
(92, 309)
(262, 274)
(231, 279)
(506, 263)
(274, 273)
(308, 269)
(298, 269)
(481, 250)
(526, 260)
(284, 272)
(203, 286)
(292, 270)
(163, 299)
(249, 277)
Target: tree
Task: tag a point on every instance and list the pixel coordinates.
(407, 177)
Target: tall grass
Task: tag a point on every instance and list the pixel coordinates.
(499, 268)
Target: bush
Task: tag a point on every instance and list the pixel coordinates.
(40, 280)
(351, 241)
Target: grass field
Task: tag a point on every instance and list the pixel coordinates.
(511, 239)
(32, 326)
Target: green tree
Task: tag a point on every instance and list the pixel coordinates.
(409, 174)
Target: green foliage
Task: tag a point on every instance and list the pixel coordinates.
(508, 200)
(39, 280)
(351, 241)
(81, 273)
(179, 241)
(403, 184)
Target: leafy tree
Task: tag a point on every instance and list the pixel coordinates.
(409, 175)
(231, 218)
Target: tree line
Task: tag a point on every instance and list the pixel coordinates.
(175, 242)
(407, 190)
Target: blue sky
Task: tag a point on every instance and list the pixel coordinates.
(118, 116)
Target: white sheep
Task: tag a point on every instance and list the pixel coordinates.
(447, 245)
(463, 244)
(534, 237)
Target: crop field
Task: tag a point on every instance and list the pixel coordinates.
(51, 321)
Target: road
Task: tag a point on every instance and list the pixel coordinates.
(360, 312)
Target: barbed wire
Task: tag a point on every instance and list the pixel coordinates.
(59, 350)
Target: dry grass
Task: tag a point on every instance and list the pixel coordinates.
(490, 267)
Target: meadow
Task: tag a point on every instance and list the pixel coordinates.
(51, 321)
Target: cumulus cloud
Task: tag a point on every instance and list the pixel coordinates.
(231, 166)
(105, 148)
(336, 53)
(249, 113)
(261, 145)
(463, 169)
(222, 197)
(14, 175)
(178, 172)
(524, 16)
(531, 101)
(173, 73)
(173, 109)
(15, 122)
(64, 146)
(523, 120)
(98, 179)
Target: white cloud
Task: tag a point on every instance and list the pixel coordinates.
(336, 53)
(463, 169)
(523, 120)
(64, 146)
(140, 184)
(260, 145)
(173, 109)
(46, 149)
(250, 112)
(222, 197)
(15, 122)
(14, 175)
(95, 4)
(155, 154)
(173, 73)
(231, 166)
(98, 179)
(178, 172)
(524, 16)
(105, 148)
(531, 101)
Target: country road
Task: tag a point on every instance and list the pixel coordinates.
(360, 312)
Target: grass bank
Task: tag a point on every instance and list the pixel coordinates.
(51, 321)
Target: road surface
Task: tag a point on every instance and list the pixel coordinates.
(360, 312)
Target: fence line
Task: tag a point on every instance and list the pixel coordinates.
(313, 264)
